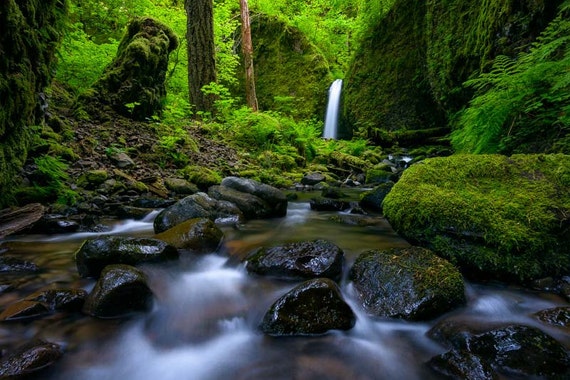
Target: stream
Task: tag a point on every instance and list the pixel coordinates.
(203, 324)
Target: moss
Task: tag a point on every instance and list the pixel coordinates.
(201, 176)
(291, 75)
(133, 83)
(386, 88)
(29, 35)
(465, 37)
(505, 217)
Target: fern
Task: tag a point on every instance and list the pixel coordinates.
(522, 104)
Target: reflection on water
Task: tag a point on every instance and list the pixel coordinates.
(207, 309)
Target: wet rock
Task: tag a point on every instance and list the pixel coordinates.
(198, 235)
(255, 199)
(94, 255)
(14, 220)
(121, 290)
(408, 283)
(180, 186)
(332, 193)
(43, 303)
(55, 224)
(10, 264)
(558, 316)
(198, 205)
(29, 358)
(462, 365)
(301, 260)
(129, 212)
(521, 351)
(311, 308)
(152, 203)
(357, 220)
(327, 204)
(311, 179)
(372, 200)
(24, 310)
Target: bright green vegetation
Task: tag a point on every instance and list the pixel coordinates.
(505, 217)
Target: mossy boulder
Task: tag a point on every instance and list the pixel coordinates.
(201, 176)
(408, 283)
(374, 198)
(311, 308)
(133, 83)
(282, 56)
(30, 32)
(494, 216)
(200, 235)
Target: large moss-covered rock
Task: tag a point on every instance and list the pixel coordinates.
(291, 75)
(201, 235)
(409, 283)
(133, 84)
(386, 90)
(501, 217)
(29, 35)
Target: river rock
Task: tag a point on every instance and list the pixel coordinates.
(10, 264)
(332, 192)
(328, 204)
(558, 316)
(301, 260)
(29, 358)
(462, 365)
(17, 219)
(121, 290)
(43, 303)
(91, 179)
(311, 179)
(522, 351)
(311, 308)
(198, 235)
(94, 255)
(409, 283)
(255, 199)
(180, 186)
(372, 200)
(198, 205)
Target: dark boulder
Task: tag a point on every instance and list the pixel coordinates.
(311, 179)
(43, 303)
(408, 283)
(94, 255)
(558, 316)
(198, 235)
(198, 205)
(311, 308)
(462, 365)
(372, 200)
(17, 219)
(301, 260)
(121, 290)
(29, 358)
(255, 199)
(328, 204)
(10, 264)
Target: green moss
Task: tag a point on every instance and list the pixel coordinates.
(291, 75)
(502, 216)
(29, 35)
(133, 83)
(201, 176)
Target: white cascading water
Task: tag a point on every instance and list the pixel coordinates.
(331, 119)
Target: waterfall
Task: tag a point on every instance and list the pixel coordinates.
(331, 120)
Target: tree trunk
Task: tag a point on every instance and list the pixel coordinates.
(247, 48)
(201, 53)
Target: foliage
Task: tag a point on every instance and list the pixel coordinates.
(522, 104)
(502, 216)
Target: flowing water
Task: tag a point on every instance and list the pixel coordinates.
(207, 308)
(333, 108)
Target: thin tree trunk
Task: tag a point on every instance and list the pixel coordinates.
(201, 53)
(247, 48)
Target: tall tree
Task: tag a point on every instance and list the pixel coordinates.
(201, 52)
(247, 48)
